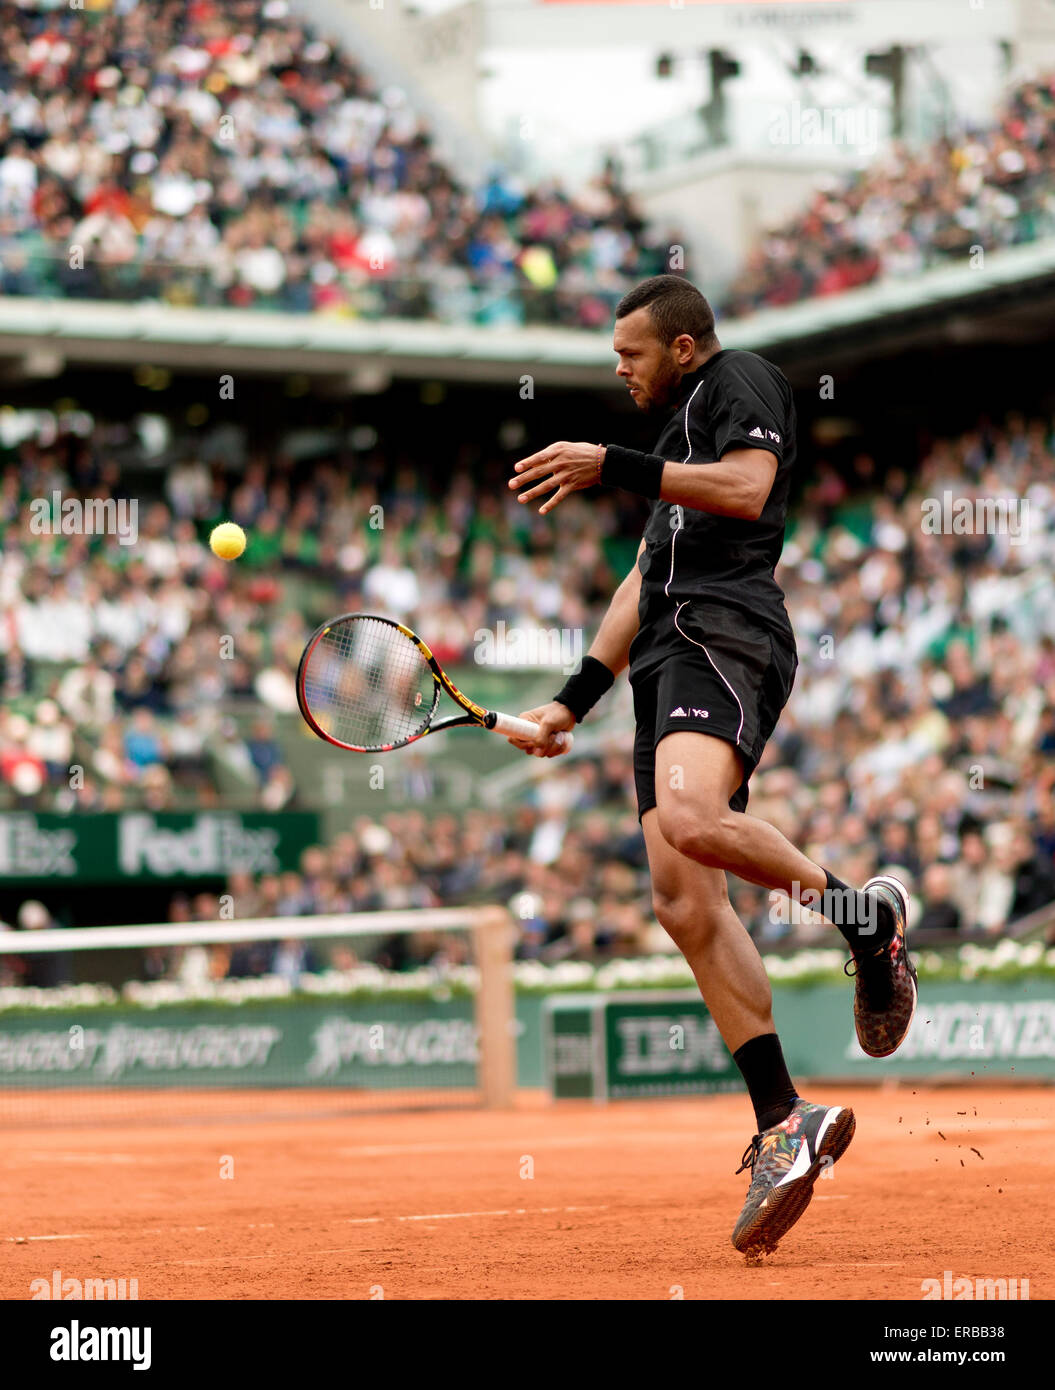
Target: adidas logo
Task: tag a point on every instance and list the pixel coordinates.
(678, 713)
(756, 433)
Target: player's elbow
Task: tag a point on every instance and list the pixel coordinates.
(751, 506)
(745, 500)
(751, 476)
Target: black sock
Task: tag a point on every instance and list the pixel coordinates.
(865, 922)
(772, 1092)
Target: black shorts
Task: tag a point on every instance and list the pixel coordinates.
(728, 679)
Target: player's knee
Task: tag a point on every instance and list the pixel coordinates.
(687, 918)
(697, 834)
(676, 917)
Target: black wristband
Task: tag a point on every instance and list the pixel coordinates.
(581, 691)
(626, 468)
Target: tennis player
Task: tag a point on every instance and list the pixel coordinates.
(701, 622)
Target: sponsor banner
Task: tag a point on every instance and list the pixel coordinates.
(572, 1043)
(666, 1044)
(666, 1047)
(974, 1028)
(141, 845)
(647, 1043)
(652, 1043)
(362, 1045)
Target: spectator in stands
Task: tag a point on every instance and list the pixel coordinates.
(137, 689)
(983, 889)
(51, 739)
(293, 958)
(43, 969)
(86, 695)
(940, 912)
(577, 941)
(279, 790)
(20, 768)
(250, 959)
(143, 746)
(1033, 876)
(264, 751)
(896, 847)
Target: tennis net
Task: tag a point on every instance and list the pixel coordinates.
(269, 1015)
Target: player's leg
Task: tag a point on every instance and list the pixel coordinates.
(694, 772)
(795, 1139)
(691, 900)
(691, 903)
(729, 684)
(696, 778)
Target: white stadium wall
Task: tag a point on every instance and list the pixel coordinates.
(720, 202)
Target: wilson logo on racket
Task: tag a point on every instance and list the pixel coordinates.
(370, 685)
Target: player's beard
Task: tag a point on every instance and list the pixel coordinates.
(663, 388)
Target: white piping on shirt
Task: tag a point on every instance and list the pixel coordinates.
(711, 659)
(681, 513)
(674, 537)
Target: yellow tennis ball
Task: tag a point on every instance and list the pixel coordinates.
(227, 540)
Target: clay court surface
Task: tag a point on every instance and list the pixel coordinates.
(631, 1201)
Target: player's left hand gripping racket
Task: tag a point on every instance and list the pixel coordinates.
(370, 685)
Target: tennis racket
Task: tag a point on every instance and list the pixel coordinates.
(370, 685)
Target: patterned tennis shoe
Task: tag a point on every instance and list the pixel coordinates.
(884, 980)
(785, 1162)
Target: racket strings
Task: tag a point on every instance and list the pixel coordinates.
(368, 685)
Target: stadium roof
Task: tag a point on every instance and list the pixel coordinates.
(1012, 297)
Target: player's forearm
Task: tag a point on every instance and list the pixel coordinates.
(719, 489)
(619, 625)
(738, 485)
(610, 651)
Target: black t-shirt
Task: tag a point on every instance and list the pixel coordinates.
(736, 400)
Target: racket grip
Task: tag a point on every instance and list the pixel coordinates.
(509, 724)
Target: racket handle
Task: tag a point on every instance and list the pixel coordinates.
(509, 724)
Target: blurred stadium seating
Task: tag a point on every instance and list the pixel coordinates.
(987, 185)
(211, 155)
(207, 154)
(946, 660)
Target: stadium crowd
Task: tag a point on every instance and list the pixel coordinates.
(987, 186)
(921, 732)
(226, 154)
(205, 154)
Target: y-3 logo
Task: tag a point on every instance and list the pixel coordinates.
(680, 713)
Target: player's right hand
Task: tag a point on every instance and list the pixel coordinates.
(553, 718)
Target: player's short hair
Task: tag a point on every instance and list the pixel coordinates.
(675, 306)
